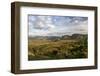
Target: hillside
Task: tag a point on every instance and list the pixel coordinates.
(58, 47)
(73, 36)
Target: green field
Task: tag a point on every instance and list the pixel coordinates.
(44, 49)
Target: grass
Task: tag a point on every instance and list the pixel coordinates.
(59, 49)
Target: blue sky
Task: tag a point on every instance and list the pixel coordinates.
(56, 25)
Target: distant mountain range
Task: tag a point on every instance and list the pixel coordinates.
(73, 36)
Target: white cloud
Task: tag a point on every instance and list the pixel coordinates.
(45, 26)
(43, 22)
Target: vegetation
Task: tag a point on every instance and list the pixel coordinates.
(61, 48)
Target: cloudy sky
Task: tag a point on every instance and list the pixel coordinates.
(56, 25)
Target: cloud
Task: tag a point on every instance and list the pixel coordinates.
(42, 23)
(57, 25)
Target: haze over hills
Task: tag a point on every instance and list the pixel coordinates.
(73, 36)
